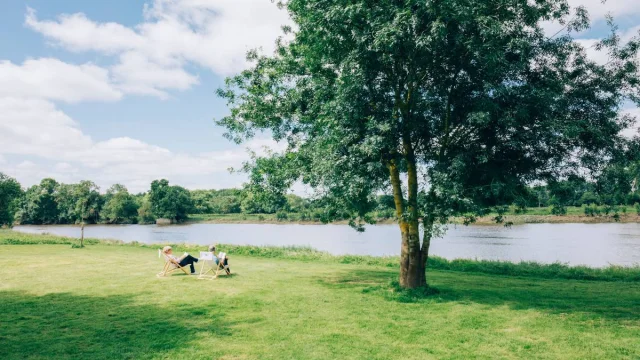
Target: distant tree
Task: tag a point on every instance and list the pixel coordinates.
(201, 200)
(540, 196)
(65, 197)
(40, 205)
(171, 202)
(88, 204)
(386, 202)
(10, 194)
(568, 192)
(229, 192)
(588, 198)
(223, 201)
(469, 101)
(120, 206)
(230, 204)
(145, 213)
(88, 201)
(250, 205)
(262, 202)
(295, 203)
(614, 184)
(558, 207)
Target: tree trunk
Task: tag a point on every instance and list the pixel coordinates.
(412, 264)
(426, 243)
(82, 235)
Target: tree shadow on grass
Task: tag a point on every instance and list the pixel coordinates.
(611, 300)
(66, 326)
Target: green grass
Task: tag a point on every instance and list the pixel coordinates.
(524, 268)
(104, 302)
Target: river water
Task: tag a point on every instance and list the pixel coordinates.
(576, 244)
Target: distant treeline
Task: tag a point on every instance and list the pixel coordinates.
(51, 202)
(614, 187)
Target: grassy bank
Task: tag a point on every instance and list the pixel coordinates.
(527, 269)
(291, 218)
(104, 302)
(530, 216)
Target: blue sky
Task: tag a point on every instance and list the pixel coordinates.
(194, 109)
(122, 91)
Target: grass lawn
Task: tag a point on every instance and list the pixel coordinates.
(104, 302)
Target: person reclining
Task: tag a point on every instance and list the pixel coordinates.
(225, 262)
(184, 260)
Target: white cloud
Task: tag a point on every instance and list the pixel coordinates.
(26, 165)
(632, 131)
(599, 56)
(36, 127)
(65, 167)
(153, 58)
(53, 79)
(602, 56)
(135, 74)
(598, 9)
(214, 34)
(78, 33)
(32, 127)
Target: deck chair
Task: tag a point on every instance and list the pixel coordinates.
(170, 265)
(209, 269)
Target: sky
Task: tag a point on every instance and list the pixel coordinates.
(123, 91)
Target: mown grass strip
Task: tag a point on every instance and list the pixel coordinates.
(524, 268)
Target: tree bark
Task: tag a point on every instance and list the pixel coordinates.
(412, 265)
(426, 243)
(82, 235)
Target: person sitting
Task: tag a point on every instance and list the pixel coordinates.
(225, 259)
(184, 260)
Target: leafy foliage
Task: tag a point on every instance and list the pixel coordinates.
(87, 201)
(40, 205)
(145, 214)
(171, 202)
(10, 194)
(120, 206)
(470, 101)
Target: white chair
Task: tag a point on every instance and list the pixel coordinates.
(209, 269)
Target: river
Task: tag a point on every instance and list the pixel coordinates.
(594, 245)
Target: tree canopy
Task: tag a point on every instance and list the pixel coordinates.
(40, 205)
(10, 194)
(170, 202)
(452, 106)
(120, 206)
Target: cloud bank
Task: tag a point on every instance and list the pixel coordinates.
(163, 54)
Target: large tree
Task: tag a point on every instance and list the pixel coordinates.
(453, 106)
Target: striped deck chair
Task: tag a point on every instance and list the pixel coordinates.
(170, 265)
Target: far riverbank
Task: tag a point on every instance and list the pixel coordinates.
(486, 220)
